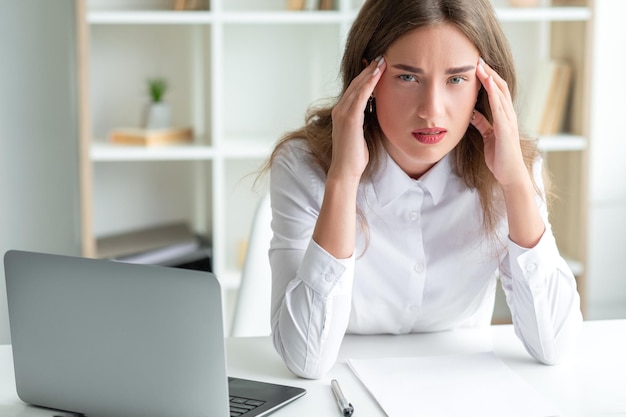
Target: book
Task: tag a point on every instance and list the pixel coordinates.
(547, 98)
(326, 4)
(554, 113)
(309, 4)
(150, 137)
(180, 4)
(295, 4)
(189, 5)
(154, 243)
(170, 245)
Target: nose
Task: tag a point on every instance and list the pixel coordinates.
(431, 104)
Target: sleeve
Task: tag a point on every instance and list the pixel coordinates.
(311, 290)
(541, 293)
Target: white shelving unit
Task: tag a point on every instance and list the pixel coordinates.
(242, 73)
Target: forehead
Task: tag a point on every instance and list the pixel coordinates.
(443, 43)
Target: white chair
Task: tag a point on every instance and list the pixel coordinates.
(252, 310)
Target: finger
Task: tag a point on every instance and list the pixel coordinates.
(361, 88)
(485, 72)
(499, 95)
(365, 77)
(493, 93)
(487, 80)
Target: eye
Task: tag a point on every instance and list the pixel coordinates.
(456, 80)
(407, 77)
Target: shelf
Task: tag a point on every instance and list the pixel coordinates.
(577, 267)
(174, 17)
(207, 54)
(285, 17)
(505, 14)
(149, 17)
(101, 152)
(241, 148)
(563, 142)
(543, 14)
(251, 148)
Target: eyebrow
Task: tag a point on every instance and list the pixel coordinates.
(453, 70)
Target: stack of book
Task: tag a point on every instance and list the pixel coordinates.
(548, 98)
(172, 245)
(191, 4)
(150, 137)
(309, 4)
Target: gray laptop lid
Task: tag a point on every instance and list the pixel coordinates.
(110, 339)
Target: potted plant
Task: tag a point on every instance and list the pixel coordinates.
(157, 115)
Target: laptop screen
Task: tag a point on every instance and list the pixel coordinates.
(111, 339)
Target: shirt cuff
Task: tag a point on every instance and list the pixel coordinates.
(538, 263)
(324, 273)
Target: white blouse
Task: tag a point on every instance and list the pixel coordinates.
(422, 264)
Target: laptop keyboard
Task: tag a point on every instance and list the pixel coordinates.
(240, 406)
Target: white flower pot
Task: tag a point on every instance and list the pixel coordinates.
(157, 116)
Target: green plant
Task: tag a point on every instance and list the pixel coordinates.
(156, 89)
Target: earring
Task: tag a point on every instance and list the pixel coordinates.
(371, 99)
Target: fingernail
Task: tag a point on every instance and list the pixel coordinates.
(378, 58)
(481, 61)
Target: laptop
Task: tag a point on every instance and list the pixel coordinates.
(111, 339)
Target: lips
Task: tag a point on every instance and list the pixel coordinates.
(429, 136)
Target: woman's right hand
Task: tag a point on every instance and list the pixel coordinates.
(350, 155)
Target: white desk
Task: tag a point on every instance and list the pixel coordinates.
(592, 383)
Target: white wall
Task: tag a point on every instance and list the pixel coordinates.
(39, 196)
(606, 281)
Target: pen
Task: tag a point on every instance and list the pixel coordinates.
(344, 406)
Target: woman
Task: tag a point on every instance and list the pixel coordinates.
(397, 208)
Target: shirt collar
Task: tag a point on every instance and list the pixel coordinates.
(391, 181)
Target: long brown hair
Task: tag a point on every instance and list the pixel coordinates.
(378, 24)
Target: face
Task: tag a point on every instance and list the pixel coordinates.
(425, 97)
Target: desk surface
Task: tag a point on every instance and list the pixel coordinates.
(592, 383)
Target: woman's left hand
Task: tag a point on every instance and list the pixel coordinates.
(503, 153)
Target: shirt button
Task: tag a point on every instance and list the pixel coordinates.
(531, 267)
(328, 277)
(413, 216)
(419, 268)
